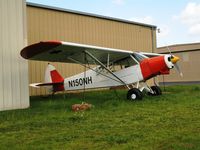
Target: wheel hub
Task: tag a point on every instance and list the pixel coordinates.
(133, 96)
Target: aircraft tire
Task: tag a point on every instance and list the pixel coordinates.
(134, 94)
(156, 90)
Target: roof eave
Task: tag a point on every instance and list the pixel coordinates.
(88, 14)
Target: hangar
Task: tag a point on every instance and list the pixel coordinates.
(189, 54)
(27, 23)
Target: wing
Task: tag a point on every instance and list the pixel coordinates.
(150, 54)
(58, 51)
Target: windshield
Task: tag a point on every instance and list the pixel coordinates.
(139, 57)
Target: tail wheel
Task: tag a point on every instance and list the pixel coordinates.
(156, 90)
(134, 94)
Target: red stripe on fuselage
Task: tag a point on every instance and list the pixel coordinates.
(151, 67)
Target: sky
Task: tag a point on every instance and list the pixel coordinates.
(177, 21)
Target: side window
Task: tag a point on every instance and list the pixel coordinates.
(129, 62)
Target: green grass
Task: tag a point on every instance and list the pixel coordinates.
(167, 122)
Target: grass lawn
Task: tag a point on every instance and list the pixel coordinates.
(167, 122)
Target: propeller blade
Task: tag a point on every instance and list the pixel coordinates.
(174, 60)
(178, 69)
(169, 50)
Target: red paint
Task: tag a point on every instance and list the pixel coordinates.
(35, 49)
(151, 67)
(52, 42)
(57, 78)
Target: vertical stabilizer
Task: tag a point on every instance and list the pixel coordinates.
(53, 80)
(52, 75)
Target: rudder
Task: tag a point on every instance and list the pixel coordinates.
(52, 75)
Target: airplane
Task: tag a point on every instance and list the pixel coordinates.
(113, 67)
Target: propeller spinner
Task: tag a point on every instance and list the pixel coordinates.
(174, 60)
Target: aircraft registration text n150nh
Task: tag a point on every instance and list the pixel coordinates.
(80, 81)
(113, 67)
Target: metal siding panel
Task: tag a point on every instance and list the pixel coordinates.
(15, 77)
(37, 75)
(23, 64)
(43, 67)
(6, 56)
(13, 90)
(1, 57)
(31, 77)
(188, 67)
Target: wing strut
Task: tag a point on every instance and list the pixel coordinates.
(76, 61)
(84, 77)
(106, 68)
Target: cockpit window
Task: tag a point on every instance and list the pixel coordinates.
(139, 57)
(124, 63)
(128, 61)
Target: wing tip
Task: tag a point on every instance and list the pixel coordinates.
(32, 50)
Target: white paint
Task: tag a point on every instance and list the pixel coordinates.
(47, 78)
(84, 46)
(133, 96)
(14, 91)
(169, 64)
(128, 75)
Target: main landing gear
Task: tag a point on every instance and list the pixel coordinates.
(134, 94)
(156, 91)
(137, 93)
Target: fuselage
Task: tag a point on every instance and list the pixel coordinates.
(100, 77)
(97, 78)
(91, 79)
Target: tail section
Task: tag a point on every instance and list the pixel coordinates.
(52, 75)
(52, 80)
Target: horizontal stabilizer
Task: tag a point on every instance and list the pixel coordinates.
(38, 85)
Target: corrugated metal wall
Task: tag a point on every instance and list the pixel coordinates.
(14, 70)
(46, 24)
(189, 65)
(189, 54)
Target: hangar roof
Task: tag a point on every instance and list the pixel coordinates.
(89, 14)
(180, 48)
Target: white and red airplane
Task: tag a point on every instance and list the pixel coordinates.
(114, 67)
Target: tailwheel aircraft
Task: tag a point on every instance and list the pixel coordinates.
(113, 67)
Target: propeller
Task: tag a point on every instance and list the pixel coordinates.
(178, 69)
(174, 60)
(169, 50)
